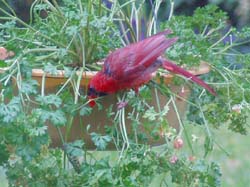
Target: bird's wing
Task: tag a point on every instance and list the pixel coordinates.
(135, 58)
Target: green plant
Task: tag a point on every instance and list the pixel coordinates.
(206, 36)
(73, 36)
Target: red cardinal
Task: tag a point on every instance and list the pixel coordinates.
(133, 65)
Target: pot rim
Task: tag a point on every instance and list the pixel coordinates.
(203, 68)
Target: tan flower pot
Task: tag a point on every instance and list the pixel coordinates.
(98, 118)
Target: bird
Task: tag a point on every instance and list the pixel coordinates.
(133, 65)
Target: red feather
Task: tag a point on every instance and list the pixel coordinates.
(133, 65)
(173, 68)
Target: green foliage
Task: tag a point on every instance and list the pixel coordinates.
(196, 35)
(70, 33)
(73, 36)
(8, 112)
(206, 36)
(100, 141)
(85, 111)
(49, 100)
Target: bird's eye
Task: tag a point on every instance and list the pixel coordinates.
(91, 91)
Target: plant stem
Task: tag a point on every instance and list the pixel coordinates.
(171, 9)
(157, 100)
(9, 7)
(11, 17)
(76, 97)
(43, 84)
(181, 125)
(65, 84)
(221, 39)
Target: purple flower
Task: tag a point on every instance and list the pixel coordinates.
(107, 3)
(121, 104)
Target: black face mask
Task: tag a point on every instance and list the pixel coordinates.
(92, 92)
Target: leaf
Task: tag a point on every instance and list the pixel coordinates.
(68, 71)
(44, 115)
(200, 166)
(51, 99)
(38, 131)
(49, 68)
(4, 154)
(85, 111)
(9, 112)
(214, 177)
(100, 141)
(2, 64)
(77, 143)
(29, 87)
(150, 114)
(145, 93)
(165, 110)
(75, 148)
(208, 145)
(57, 118)
(26, 151)
(72, 30)
(48, 162)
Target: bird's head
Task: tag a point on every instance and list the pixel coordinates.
(93, 93)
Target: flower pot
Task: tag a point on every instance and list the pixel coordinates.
(98, 119)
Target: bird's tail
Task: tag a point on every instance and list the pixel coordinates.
(173, 68)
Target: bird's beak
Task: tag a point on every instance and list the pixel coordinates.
(92, 102)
